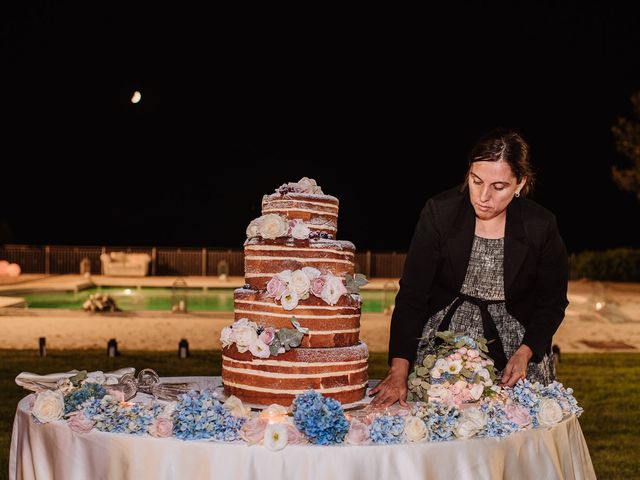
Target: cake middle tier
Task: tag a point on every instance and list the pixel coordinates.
(329, 326)
(263, 259)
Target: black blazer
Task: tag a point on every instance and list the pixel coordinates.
(535, 270)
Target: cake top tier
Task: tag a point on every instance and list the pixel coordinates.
(304, 202)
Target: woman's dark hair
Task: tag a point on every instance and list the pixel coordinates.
(508, 146)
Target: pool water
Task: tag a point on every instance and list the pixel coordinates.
(159, 299)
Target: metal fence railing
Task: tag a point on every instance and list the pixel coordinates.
(56, 259)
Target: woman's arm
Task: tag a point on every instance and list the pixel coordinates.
(412, 299)
(550, 293)
(411, 307)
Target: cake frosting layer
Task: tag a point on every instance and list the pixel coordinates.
(318, 211)
(329, 325)
(263, 258)
(340, 373)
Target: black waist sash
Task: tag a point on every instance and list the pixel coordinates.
(496, 351)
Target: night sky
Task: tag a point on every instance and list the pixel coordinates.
(379, 106)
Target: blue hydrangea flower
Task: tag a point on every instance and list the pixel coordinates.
(200, 416)
(387, 429)
(321, 419)
(73, 400)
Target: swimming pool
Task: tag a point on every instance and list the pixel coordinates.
(161, 299)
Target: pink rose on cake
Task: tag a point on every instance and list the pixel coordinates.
(276, 287)
(267, 335)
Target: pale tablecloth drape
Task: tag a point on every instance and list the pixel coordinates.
(53, 451)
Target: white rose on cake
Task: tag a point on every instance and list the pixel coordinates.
(299, 230)
(273, 226)
(300, 284)
(245, 336)
(306, 185)
(549, 412)
(49, 406)
(333, 289)
(253, 230)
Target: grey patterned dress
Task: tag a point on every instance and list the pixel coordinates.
(484, 279)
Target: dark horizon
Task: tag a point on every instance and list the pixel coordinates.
(380, 112)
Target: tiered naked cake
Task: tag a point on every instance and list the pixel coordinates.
(297, 319)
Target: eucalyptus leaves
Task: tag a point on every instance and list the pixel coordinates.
(261, 341)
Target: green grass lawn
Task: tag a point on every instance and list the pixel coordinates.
(606, 386)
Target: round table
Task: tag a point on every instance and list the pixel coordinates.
(54, 451)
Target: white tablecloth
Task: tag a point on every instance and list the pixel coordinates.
(53, 451)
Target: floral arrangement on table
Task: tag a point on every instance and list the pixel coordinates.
(87, 403)
(261, 341)
(460, 372)
(289, 287)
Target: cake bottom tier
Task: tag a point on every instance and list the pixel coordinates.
(340, 373)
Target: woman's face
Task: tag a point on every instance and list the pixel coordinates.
(492, 186)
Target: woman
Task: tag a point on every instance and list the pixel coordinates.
(485, 261)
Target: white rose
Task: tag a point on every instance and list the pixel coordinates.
(259, 349)
(300, 231)
(273, 226)
(253, 230)
(435, 373)
(333, 290)
(470, 423)
(49, 406)
(245, 336)
(300, 284)
(289, 299)
(285, 275)
(236, 408)
(549, 412)
(311, 272)
(226, 337)
(415, 429)
(276, 436)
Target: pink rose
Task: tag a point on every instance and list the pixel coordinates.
(267, 335)
(79, 423)
(295, 436)
(252, 431)
(317, 285)
(358, 433)
(161, 427)
(518, 415)
(473, 353)
(276, 287)
(118, 395)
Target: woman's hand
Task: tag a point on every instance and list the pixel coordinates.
(516, 366)
(394, 386)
